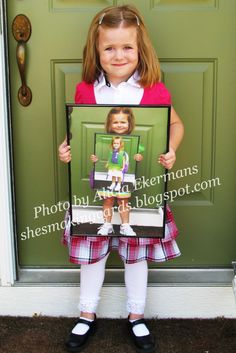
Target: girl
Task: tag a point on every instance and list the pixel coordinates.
(120, 120)
(120, 67)
(116, 163)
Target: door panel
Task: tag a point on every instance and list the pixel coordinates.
(197, 81)
(195, 41)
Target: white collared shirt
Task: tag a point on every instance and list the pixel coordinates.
(129, 92)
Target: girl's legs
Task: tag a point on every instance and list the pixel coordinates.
(113, 184)
(91, 281)
(107, 209)
(118, 185)
(136, 286)
(106, 228)
(136, 276)
(124, 209)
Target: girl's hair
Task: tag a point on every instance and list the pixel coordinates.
(115, 17)
(118, 110)
(121, 142)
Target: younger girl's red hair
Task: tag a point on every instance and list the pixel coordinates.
(117, 110)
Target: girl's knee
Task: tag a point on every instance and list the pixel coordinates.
(122, 201)
(109, 201)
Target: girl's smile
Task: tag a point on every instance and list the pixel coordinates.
(120, 123)
(118, 52)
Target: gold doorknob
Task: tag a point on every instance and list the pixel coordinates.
(21, 29)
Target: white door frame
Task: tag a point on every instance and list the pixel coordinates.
(7, 253)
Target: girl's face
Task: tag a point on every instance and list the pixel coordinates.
(116, 144)
(119, 123)
(118, 52)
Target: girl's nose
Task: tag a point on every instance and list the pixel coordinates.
(119, 54)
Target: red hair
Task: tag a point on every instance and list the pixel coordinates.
(115, 17)
(118, 110)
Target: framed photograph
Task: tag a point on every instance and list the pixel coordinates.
(116, 175)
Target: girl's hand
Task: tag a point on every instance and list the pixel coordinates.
(168, 159)
(64, 152)
(93, 158)
(138, 157)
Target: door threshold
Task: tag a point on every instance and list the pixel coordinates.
(115, 277)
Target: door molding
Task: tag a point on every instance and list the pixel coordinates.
(7, 248)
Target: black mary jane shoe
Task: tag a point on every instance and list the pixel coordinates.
(76, 343)
(143, 344)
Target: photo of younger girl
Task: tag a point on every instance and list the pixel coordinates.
(117, 163)
(120, 121)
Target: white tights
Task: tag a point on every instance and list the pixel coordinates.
(91, 281)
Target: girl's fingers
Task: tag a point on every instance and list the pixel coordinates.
(138, 157)
(63, 148)
(64, 152)
(93, 158)
(65, 156)
(167, 160)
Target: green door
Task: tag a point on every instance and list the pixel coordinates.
(195, 41)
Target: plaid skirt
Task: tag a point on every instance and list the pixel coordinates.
(87, 250)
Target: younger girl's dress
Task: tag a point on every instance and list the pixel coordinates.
(88, 250)
(115, 163)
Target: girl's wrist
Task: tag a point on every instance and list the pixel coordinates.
(173, 148)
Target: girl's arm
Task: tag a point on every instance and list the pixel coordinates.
(123, 164)
(64, 152)
(176, 136)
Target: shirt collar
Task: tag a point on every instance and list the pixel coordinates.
(132, 81)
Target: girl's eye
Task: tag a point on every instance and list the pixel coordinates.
(128, 47)
(108, 49)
